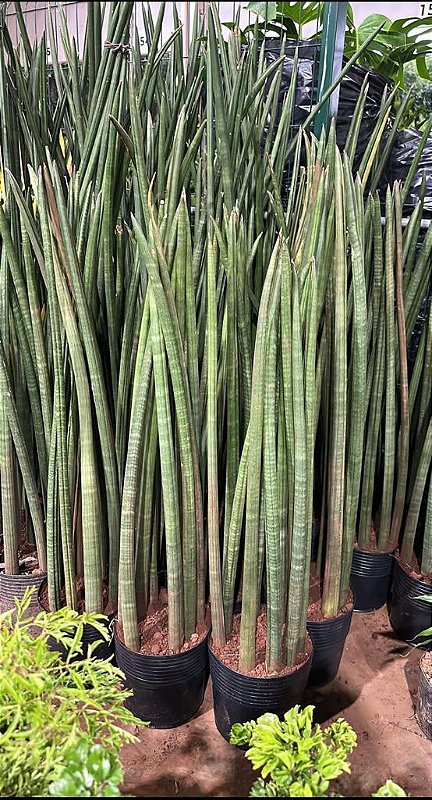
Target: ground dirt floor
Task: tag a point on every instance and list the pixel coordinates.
(374, 690)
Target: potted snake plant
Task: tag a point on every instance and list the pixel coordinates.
(400, 270)
(409, 612)
(54, 249)
(23, 425)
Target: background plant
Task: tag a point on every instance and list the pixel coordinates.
(416, 540)
(50, 704)
(298, 758)
(419, 107)
(396, 43)
(90, 770)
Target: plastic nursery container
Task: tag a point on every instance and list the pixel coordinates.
(103, 651)
(239, 698)
(13, 587)
(167, 690)
(328, 639)
(370, 579)
(408, 613)
(424, 696)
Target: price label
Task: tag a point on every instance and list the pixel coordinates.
(425, 9)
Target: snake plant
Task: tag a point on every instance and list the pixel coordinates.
(192, 360)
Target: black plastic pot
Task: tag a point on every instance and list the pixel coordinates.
(408, 615)
(328, 639)
(370, 579)
(167, 690)
(103, 651)
(239, 698)
(13, 587)
(424, 700)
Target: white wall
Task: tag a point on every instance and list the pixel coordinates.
(35, 15)
(391, 10)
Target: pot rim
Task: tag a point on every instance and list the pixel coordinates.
(178, 656)
(293, 670)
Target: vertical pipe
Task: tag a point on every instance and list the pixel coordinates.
(331, 55)
(186, 30)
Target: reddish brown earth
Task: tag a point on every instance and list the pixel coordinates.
(314, 612)
(374, 690)
(153, 633)
(230, 653)
(413, 570)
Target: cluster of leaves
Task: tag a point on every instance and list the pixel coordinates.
(50, 703)
(298, 758)
(396, 42)
(285, 18)
(424, 636)
(390, 789)
(419, 107)
(90, 771)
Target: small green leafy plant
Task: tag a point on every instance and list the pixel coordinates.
(426, 634)
(390, 789)
(90, 770)
(298, 758)
(52, 707)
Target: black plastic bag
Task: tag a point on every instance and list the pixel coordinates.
(404, 149)
(306, 89)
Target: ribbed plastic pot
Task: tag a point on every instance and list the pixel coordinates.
(370, 579)
(408, 615)
(167, 690)
(13, 587)
(239, 698)
(103, 651)
(424, 700)
(328, 639)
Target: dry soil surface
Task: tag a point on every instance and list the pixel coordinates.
(374, 690)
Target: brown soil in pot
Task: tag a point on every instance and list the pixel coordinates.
(27, 553)
(43, 596)
(27, 559)
(373, 543)
(229, 655)
(153, 631)
(314, 613)
(413, 571)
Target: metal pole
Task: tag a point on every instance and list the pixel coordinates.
(186, 29)
(331, 55)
